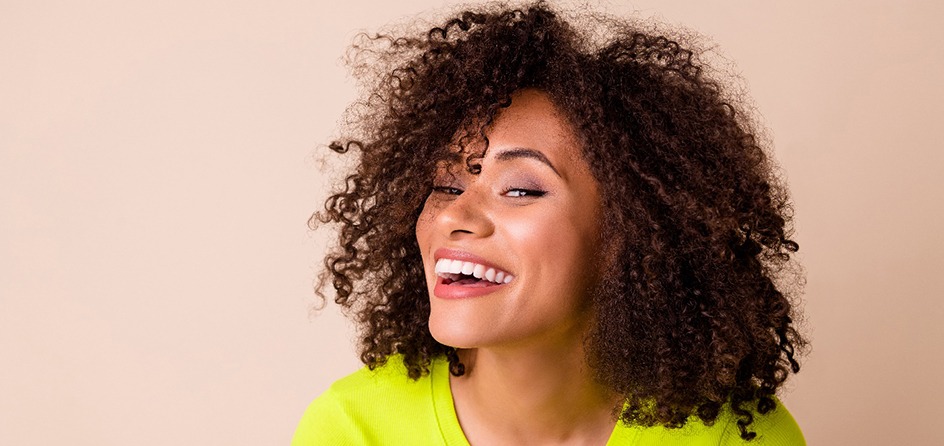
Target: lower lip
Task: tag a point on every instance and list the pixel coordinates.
(444, 291)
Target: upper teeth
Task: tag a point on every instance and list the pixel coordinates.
(452, 268)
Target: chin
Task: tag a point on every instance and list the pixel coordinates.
(454, 333)
(452, 329)
(457, 323)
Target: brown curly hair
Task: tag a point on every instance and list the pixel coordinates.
(697, 312)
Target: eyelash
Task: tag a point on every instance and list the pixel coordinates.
(528, 192)
(447, 190)
(533, 193)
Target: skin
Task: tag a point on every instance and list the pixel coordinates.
(526, 378)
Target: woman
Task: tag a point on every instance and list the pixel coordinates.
(556, 235)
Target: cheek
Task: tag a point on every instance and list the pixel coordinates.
(559, 248)
(550, 238)
(533, 236)
(423, 231)
(549, 229)
(424, 224)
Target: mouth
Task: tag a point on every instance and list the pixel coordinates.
(464, 273)
(461, 275)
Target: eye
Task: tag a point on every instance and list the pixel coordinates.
(448, 190)
(520, 193)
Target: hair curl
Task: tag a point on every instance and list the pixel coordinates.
(696, 313)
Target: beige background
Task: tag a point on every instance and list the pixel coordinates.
(157, 166)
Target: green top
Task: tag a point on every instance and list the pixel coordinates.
(386, 407)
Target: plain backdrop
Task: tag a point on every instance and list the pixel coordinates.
(159, 160)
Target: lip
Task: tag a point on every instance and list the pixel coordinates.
(444, 291)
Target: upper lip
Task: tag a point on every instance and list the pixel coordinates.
(465, 256)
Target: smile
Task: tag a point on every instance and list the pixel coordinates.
(461, 274)
(466, 273)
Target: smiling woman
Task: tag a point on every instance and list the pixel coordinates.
(517, 210)
(556, 235)
(544, 223)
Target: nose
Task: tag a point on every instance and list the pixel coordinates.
(467, 215)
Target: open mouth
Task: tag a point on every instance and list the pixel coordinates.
(465, 280)
(470, 274)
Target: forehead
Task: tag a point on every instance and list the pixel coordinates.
(532, 121)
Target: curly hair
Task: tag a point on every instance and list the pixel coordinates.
(697, 311)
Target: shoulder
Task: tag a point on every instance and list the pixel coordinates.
(775, 428)
(384, 382)
(370, 407)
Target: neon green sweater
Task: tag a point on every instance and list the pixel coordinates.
(385, 407)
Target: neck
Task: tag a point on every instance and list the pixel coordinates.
(542, 393)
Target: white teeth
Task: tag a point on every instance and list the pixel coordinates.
(449, 268)
(467, 268)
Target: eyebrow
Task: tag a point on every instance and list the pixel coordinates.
(524, 152)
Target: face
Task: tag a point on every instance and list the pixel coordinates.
(511, 252)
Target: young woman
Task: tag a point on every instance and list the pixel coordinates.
(556, 234)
